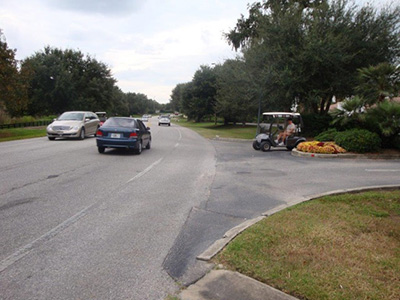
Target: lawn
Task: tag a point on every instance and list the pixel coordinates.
(210, 130)
(21, 133)
(337, 247)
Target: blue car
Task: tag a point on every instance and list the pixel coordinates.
(128, 133)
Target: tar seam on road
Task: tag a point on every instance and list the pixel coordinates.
(145, 170)
(180, 135)
(382, 170)
(23, 251)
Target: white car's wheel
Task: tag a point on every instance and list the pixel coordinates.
(82, 134)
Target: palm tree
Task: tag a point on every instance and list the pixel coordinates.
(376, 83)
(349, 113)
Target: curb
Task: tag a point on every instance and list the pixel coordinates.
(220, 244)
(298, 153)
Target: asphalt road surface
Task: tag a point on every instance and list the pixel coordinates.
(76, 224)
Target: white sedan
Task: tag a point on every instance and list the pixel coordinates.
(164, 120)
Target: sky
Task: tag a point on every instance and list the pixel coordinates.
(149, 45)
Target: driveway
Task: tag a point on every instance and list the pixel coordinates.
(248, 183)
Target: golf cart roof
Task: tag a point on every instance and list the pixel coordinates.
(100, 113)
(281, 114)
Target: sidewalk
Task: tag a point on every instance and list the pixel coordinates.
(227, 285)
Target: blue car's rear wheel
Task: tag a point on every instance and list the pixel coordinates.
(101, 149)
(139, 148)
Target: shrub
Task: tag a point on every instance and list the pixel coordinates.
(396, 142)
(384, 119)
(358, 140)
(327, 136)
(315, 124)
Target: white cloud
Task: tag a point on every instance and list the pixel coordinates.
(106, 7)
(147, 44)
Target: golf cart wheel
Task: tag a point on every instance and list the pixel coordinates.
(265, 146)
(256, 145)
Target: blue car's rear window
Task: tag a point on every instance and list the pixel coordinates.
(120, 122)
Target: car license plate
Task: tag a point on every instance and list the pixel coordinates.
(115, 135)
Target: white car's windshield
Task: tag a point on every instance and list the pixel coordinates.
(71, 116)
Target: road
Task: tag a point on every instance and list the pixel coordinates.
(75, 224)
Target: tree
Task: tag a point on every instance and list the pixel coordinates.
(237, 96)
(378, 82)
(384, 119)
(140, 104)
(198, 96)
(119, 103)
(13, 92)
(67, 80)
(177, 97)
(350, 114)
(311, 50)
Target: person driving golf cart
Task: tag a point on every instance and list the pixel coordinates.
(278, 129)
(289, 130)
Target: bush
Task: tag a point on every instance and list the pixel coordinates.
(384, 119)
(315, 124)
(358, 140)
(327, 136)
(396, 142)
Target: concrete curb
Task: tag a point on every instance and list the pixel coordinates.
(218, 245)
(295, 152)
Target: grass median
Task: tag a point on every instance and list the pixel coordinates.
(336, 247)
(211, 130)
(21, 133)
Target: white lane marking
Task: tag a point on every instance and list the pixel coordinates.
(23, 251)
(382, 170)
(176, 145)
(145, 170)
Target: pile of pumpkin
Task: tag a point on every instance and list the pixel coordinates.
(320, 147)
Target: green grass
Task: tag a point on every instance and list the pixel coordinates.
(21, 133)
(172, 298)
(338, 247)
(210, 130)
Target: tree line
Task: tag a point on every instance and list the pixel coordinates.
(53, 80)
(297, 53)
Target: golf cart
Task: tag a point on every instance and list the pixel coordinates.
(273, 123)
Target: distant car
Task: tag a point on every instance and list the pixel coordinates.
(145, 118)
(164, 120)
(121, 132)
(73, 124)
(102, 117)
